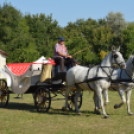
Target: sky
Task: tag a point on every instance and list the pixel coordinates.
(65, 11)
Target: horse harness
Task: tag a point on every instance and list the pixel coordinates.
(129, 80)
(108, 78)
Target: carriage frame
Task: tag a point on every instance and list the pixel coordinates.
(27, 80)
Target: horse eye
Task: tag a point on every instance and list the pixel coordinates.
(115, 56)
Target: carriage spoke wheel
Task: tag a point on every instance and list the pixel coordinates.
(42, 100)
(71, 101)
(4, 94)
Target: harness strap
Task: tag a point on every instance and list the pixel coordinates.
(114, 89)
(127, 74)
(87, 79)
(120, 73)
(127, 80)
(105, 72)
(108, 78)
(87, 73)
(97, 71)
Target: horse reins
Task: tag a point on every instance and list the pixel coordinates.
(108, 78)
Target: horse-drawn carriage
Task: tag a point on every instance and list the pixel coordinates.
(42, 78)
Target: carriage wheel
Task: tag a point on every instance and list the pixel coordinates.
(42, 99)
(4, 94)
(71, 102)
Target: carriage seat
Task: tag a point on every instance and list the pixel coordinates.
(19, 68)
(59, 76)
(56, 69)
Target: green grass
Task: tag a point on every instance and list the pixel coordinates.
(21, 117)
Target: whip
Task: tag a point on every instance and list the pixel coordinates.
(81, 50)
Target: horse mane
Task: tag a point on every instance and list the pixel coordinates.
(106, 58)
(131, 56)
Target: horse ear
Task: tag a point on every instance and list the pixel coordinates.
(113, 48)
(118, 49)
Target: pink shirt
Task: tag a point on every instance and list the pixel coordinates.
(59, 48)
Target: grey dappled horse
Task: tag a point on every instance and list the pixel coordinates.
(123, 87)
(79, 74)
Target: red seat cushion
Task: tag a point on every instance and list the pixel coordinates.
(18, 68)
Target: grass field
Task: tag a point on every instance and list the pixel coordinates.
(21, 117)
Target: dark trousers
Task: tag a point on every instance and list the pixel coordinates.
(61, 61)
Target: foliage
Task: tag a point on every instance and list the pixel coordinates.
(103, 54)
(116, 22)
(128, 40)
(27, 37)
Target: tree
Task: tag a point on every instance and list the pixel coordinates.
(128, 41)
(45, 32)
(27, 37)
(102, 39)
(15, 37)
(116, 22)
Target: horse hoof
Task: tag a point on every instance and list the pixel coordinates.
(116, 106)
(63, 108)
(79, 113)
(71, 109)
(131, 114)
(97, 112)
(106, 117)
(105, 104)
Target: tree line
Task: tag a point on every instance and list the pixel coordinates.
(27, 37)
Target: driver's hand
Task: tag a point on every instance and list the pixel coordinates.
(70, 56)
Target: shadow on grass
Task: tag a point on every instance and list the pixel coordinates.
(20, 106)
(31, 108)
(68, 112)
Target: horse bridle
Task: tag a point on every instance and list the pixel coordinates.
(115, 56)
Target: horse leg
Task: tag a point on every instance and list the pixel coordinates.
(99, 95)
(66, 99)
(105, 94)
(97, 105)
(121, 93)
(128, 95)
(78, 93)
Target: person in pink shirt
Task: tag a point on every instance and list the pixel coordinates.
(61, 55)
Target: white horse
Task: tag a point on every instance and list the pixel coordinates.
(79, 74)
(122, 87)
